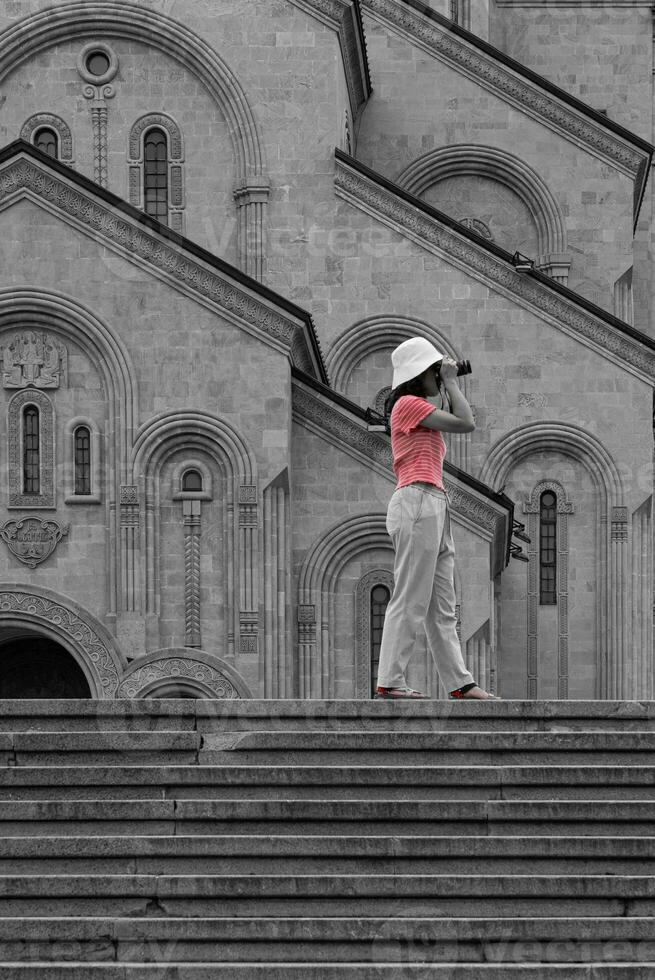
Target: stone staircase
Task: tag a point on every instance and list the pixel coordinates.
(200, 840)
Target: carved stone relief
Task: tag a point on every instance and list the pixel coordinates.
(33, 358)
(32, 540)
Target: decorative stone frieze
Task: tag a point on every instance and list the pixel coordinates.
(176, 669)
(339, 425)
(400, 214)
(435, 37)
(75, 630)
(31, 539)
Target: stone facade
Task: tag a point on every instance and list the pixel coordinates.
(338, 176)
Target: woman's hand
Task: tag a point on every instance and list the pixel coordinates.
(448, 370)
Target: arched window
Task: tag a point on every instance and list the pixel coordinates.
(155, 175)
(547, 548)
(31, 450)
(380, 596)
(192, 481)
(45, 139)
(82, 456)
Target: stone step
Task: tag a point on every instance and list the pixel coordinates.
(316, 782)
(109, 748)
(325, 748)
(257, 714)
(294, 854)
(376, 895)
(428, 748)
(633, 818)
(397, 938)
(333, 971)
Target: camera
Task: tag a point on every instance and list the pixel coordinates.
(463, 367)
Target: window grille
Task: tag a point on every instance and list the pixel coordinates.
(547, 548)
(82, 460)
(31, 451)
(155, 175)
(46, 141)
(380, 596)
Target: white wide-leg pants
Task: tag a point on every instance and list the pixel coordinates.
(418, 522)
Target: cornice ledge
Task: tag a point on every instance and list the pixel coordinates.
(328, 418)
(401, 214)
(485, 70)
(342, 16)
(24, 174)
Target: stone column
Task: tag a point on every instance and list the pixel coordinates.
(130, 625)
(191, 515)
(98, 94)
(306, 647)
(248, 591)
(129, 528)
(618, 602)
(276, 655)
(251, 200)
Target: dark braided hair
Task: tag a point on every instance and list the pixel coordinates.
(412, 387)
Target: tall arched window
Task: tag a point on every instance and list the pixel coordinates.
(380, 596)
(547, 548)
(31, 450)
(82, 448)
(155, 175)
(45, 139)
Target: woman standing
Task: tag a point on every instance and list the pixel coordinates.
(418, 521)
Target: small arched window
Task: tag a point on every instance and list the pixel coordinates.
(82, 457)
(548, 548)
(45, 139)
(380, 596)
(192, 481)
(31, 450)
(155, 175)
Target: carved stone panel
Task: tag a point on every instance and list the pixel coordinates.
(33, 359)
(32, 540)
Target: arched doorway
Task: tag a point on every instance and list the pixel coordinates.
(35, 666)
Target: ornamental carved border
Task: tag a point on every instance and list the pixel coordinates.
(490, 73)
(401, 214)
(66, 622)
(25, 174)
(177, 669)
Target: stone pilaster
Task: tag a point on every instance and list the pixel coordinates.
(191, 517)
(251, 200)
(248, 591)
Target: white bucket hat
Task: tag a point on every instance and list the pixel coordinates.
(411, 358)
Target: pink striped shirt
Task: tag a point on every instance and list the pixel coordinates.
(418, 452)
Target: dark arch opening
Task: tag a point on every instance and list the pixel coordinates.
(33, 666)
